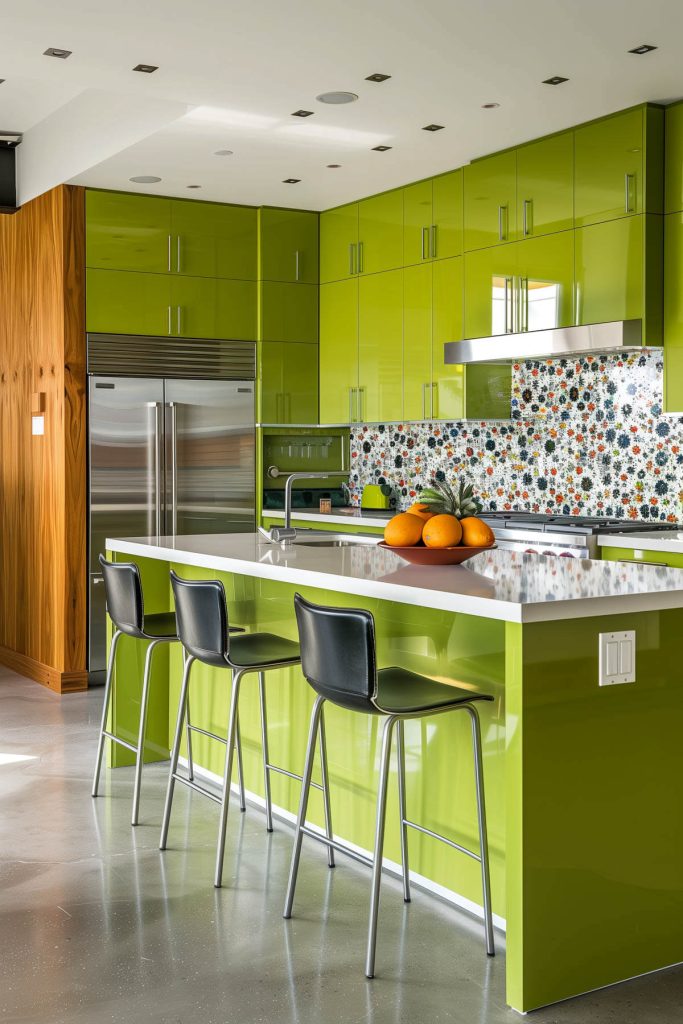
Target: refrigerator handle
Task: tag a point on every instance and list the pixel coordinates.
(157, 467)
(173, 406)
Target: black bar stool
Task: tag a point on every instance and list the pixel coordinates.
(338, 658)
(125, 606)
(202, 617)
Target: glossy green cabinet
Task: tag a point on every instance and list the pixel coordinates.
(609, 168)
(380, 347)
(417, 341)
(214, 308)
(673, 312)
(380, 233)
(338, 243)
(288, 245)
(545, 186)
(289, 382)
(124, 302)
(448, 396)
(213, 240)
(490, 279)
(128, 232)
(609, 271)
(544, 295)
(289, 312)
(490, 201)
(432, 219)
(339, 399)
(674, 159)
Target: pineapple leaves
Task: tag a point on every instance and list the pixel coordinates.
(440, 497)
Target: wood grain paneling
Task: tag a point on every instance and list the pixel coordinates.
(43, 478)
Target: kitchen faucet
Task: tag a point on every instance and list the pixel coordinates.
(277, 533)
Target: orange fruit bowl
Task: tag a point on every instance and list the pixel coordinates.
(435, 556)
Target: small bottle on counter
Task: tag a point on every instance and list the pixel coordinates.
(326, 505)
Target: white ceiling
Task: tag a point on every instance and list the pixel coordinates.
(91, 120)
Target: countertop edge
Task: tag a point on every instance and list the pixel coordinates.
(641, 542)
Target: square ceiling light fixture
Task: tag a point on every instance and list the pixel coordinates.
(146, 69)
(380, 149)
(54, 51)
(302, 113)
(555, 80)
(432, 128)
(643, 48)
(291, 181)
(377, 77)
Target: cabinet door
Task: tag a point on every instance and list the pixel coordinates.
(127, 232)
(204, 307)
(545, 268)
(289, 312)
(490, 201)
(380, 233)
(339, 351)
(447, 325)
(338, 243)
(289, 383)
(121, 302)
(545, 186)
(673, 313)
(417, 221)
(490, 307)
(380, 347)
(610, 271)
(608, 168)
(446, 240)
(213, 240)
(674, 159)
(289, 245)
(417, 342)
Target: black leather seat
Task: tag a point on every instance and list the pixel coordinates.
(256, 649)
(339, 660)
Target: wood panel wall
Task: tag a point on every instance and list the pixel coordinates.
(43, 479)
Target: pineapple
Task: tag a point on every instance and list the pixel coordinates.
(441, 497)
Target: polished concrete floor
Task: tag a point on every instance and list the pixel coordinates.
(97, 926)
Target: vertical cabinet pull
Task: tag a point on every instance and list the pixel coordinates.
(359, 269)
(527, 218)
(178, 312)
(296, 265)
(351, 393)
(432, 241)
(434, 388)
(360, 409)
(351, 259)
(424, 247)
(629, 182)
(424, 399)
(170, 325)
(169, 254)
(502, 222)
(524, 303)
(508, 302)
(177, 254)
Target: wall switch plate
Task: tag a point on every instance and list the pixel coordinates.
(37, 426)
(617, 656)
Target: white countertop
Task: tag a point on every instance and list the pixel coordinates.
(508, 585)
(649, 540)
(339, 516)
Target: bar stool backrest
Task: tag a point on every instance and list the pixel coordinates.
(123, 593)
(202, 619)
(338, 653)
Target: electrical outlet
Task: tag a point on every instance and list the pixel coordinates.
(617, 657)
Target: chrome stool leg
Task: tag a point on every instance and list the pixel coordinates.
(325, 779)
(483, 837)
(233, 728)
(401, 753)
(240, 765)
(303, 805)
(188, 729)
(147, 675)
(105, 710)
(379, 846)
(265, 752)
(175, 753)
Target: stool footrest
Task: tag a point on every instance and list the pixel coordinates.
(205, 732)
(198, 789)
(291, 775)
(340, 847)
(122, 743)
(442, 839)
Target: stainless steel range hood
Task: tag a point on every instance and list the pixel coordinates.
(594, 339)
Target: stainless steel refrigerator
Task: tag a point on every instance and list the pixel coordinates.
(167, 457)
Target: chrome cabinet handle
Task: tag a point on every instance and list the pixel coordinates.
(360, 258)
(361, 396)
(174, 468)
(351, 259)
(432, 241)
(296, 265)
(424, 247)
(502, 230)
(177, 254)
(509, 306)
(434, 387)
(524, 303)
(169, 254)
(527, 210)
(178, 320)
(170, 326)
(351, 392)
(638, 561)
(424, 399)
(157, 468)
(628, 178)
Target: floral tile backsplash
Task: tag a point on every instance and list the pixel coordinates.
(586, 437)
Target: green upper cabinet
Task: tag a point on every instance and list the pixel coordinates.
(432, 219)
(289, 383)
(213, 308)
(447, 325)
(128, 232)
(213, 240)
(380, 233)
(380, 347)
(288, 246)
(289, 312)
(545, 186)
(673, 312)
(674, 159)
(338, 243)
(339, 395)
(120, 302)
(610, 271)
(490, 197)
(490, 280)
(417, 342)
(609, 179)
(544, 296)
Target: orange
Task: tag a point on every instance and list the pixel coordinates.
(442, 531)
(403, 530)
(476, 534)
(423, 511)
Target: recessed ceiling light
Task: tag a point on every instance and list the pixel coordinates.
(291, 181)
(432, 128)
(489, 106)
(643, 48)
(377, 78)
(223, 152)
(193, 186)
(381, 149)
(337, 97)
(302, 113)
(145, 179)
(333, 165)
(555, 80)
(146, 69)
(54, 51)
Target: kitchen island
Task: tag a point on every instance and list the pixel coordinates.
(582, 781)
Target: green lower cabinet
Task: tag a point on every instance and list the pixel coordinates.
(380, 347)
(545, 286)
(121, 302)
(448, 397)
(673, 312)
(289, 382)
(289, 312)
(339, 398)
(674, 559)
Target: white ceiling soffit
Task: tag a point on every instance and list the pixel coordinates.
(241, 70)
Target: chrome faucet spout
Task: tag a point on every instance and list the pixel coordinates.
(287, 532)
